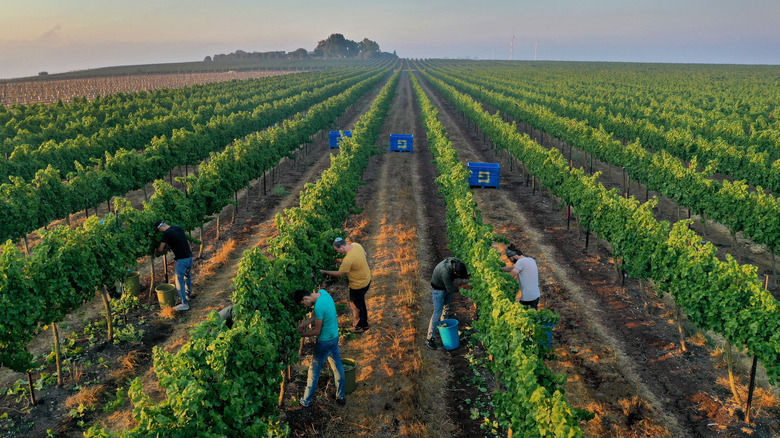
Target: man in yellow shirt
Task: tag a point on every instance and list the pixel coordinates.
(355, 266)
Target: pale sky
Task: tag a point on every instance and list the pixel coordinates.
(64, 35)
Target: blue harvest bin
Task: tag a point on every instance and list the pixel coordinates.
(448, 330)
(484, 174)
(548, 329)
(401, 142)
(335, 137)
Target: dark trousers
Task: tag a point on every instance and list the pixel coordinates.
(357, 300)
(534, 304)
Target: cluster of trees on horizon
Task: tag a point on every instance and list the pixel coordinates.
(336, 46)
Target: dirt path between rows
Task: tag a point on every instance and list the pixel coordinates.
(622, 363)
(402, 388)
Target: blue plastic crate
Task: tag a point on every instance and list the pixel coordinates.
(484, 174)
(401, 142)
(335, 137)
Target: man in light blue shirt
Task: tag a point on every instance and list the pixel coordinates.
(324, 325)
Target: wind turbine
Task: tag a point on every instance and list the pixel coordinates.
(536, 48)
(512, 46)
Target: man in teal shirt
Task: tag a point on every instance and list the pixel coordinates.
(324, 325)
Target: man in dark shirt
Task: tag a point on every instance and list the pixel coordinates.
(175, 238)
(443, 288)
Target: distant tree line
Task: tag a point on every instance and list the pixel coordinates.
(336, 46)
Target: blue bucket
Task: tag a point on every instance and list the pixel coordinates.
(448, 330)
(548, 328)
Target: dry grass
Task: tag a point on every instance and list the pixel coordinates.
(357, 229)
(88, 396)
(132, 359)
(121, 420)
(398, 255)
(765, 399)
(128, 365)
(219, 259)
(402, 361)
(76, 373)
(762, 397)
(167, 313)
(695, 337)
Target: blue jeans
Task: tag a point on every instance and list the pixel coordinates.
(325, 350)
(184, 278)
(441, 309)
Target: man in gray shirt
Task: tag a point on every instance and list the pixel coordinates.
(527, 275)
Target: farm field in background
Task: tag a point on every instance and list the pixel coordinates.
(52, 91)
(602, 165)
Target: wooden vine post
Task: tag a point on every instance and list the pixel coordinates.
(31, 388)
(107, 305)
(57, 357)
(625, 184)
(643, 294)
(751, 387)
(281, 390)
(235, 207)
(151, 276)
(730, 363)
(200, 237)
(165, 266)
(678, 317)
(623, 276)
